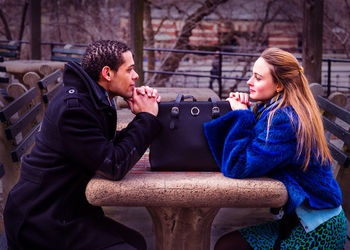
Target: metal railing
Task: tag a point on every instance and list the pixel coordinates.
(219, 76)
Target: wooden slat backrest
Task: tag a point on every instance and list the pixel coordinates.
(47, 80)
(335, 129)
(26, 119)
(68, 51)
(52, 92)
(49, 92)
(67, 54)
(3, 79)
(25, 144)
(17, 104)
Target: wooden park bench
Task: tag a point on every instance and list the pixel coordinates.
(3, 77)
(19, 124)
(20, 120)
(336, 121)
(50, 85)
(10, 50)
(66, 54)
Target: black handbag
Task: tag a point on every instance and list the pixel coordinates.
(181, 145)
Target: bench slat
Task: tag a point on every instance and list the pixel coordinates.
(336, 130)
(51, 93)
(23, 122)
(2, 170)
(66, 59)
(8, 54)
(9, 47)
(47, 80)
(341, 157)
(17, 104)
(68, 51)
(333, 109)
(4, 80)
(25, 144)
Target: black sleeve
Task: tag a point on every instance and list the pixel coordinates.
(84, 142)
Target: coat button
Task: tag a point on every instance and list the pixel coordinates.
(71, 91)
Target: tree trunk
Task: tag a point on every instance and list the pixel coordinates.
(136, 36)
(35, 29)
(149, 37)
(312, 39)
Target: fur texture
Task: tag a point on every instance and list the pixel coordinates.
(239, 146)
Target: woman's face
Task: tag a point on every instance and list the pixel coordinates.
(262, 87)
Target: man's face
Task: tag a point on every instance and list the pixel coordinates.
(123, 81)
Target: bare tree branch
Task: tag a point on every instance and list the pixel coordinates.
(172, 60)
(258, 37)
(23, 19)
(6, 26)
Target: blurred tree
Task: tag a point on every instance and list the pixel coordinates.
(149, 35)
(256, 39)
(336, 26)
(172, 60)
(6, 26)
(312, 39)
(4, 19)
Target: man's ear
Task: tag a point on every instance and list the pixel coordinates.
(106, 73)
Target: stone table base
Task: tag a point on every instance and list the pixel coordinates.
(182, 228)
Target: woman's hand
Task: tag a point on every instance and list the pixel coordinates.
(238, 100)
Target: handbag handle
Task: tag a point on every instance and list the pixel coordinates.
(175, 111)
(181, 97)
(215, 111)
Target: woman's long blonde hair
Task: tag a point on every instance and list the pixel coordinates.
(285, 70)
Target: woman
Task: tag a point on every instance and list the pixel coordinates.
(282, 137)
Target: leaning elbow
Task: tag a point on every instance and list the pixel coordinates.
(119, 172)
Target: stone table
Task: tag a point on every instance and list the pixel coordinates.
(183, 205)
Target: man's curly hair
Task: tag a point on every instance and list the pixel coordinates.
(103, 53)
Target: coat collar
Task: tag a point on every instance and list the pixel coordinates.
(75, 76)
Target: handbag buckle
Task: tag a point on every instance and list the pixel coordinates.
(175, 111)
(195, 111)
(215, 112)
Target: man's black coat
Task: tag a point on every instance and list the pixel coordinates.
(47, 208)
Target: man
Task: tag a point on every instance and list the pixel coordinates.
(215, 69)
(47, 208)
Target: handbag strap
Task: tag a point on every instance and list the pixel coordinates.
(215, 110)
(175, 110)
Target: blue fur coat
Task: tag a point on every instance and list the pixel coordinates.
(239, 146)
